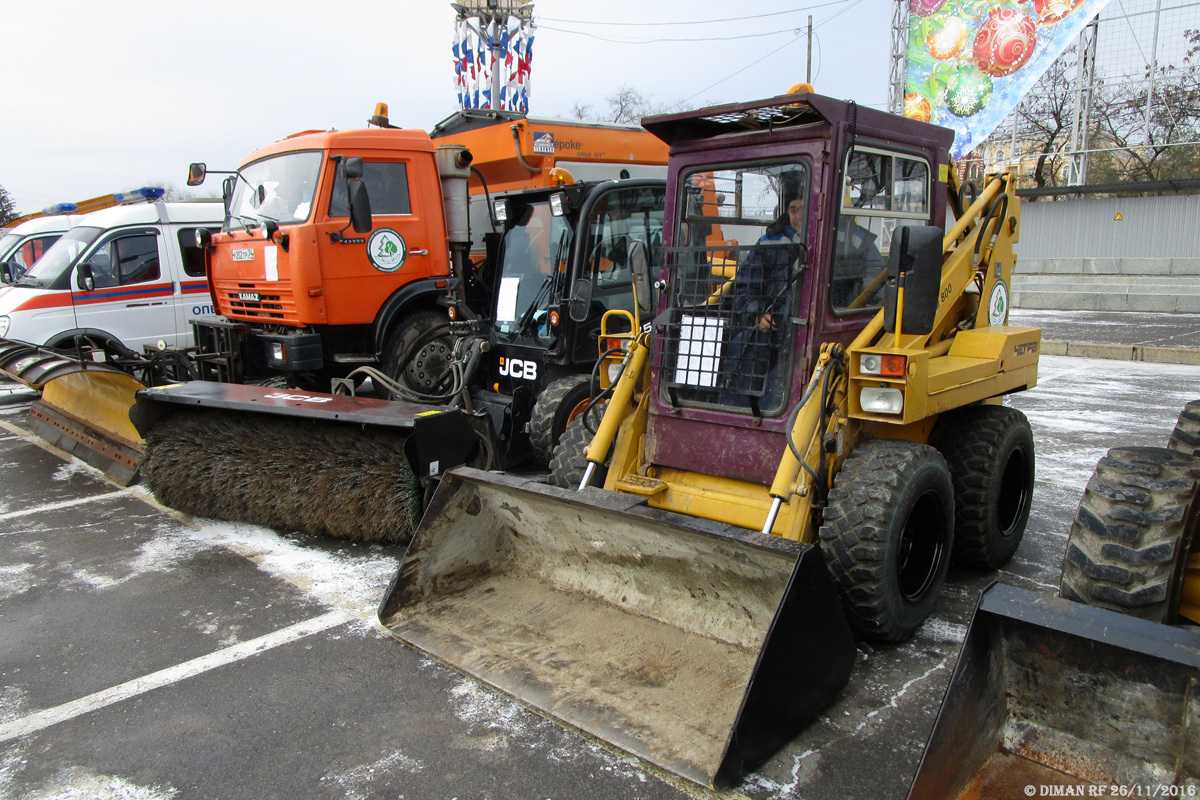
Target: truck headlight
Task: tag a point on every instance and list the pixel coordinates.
(881, 400)
(4, 325)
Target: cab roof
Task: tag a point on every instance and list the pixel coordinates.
(55, 223)
(358, 139)
(200, 211)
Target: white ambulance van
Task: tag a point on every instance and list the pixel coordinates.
(24, 244)
(132, 273)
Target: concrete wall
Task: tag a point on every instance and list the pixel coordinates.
(1077, 254)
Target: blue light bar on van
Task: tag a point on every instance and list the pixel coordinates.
(144, 193)
(61, 208)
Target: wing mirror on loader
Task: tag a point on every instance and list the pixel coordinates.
(914, 277)
(639, 265)
(356, 194)
(581, 300)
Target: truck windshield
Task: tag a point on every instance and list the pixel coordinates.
(52, 270)
(533, 269)
(280, 188)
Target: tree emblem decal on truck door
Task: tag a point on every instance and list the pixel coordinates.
(386, 250)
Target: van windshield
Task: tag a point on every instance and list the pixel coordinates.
(280, 188)
(52, 269)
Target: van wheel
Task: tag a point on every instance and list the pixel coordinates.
(568, 461)
(1129, 544)
(886, 535)
(558, 404)
(419, 352)
(989, 450)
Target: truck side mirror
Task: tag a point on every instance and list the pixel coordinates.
(581, 300)
(6, 273)
(85, 280)
(227, 190)
(352, 167)
(638, 259)
(360, 205)
(915, 263)
(196, 174)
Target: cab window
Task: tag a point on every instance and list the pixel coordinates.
(125, 260)
(617, 219)
(193, 256)
(31, 250)
(881, 191)
(387, 186)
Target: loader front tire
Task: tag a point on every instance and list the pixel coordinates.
(556, 406)
(569, 462)
(1132, 534)
(989, 450)
(418, 358)
(1186, 436)
(886, 535)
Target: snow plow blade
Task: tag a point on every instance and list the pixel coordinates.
(697, 646)
(352, 468)
(1051, 697)
(84, 407)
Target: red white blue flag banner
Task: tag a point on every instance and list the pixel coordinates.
(478, 56)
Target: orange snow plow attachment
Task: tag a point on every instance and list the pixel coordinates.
(84, 407)
(697, 646)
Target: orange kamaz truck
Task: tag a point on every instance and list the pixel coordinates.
(343, 248)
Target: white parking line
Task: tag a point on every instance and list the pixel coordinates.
(40, 720)
(55, 506)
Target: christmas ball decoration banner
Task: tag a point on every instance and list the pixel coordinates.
(971, 61)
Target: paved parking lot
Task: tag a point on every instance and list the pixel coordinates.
(151, 656)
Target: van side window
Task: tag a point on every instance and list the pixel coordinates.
(193, 256)
(129, 259)
(387, 186)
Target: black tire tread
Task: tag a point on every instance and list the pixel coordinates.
(1186, 436)
(972, 439)
(855, 534)
(1129, 542)
(568, 463)
(545, 422)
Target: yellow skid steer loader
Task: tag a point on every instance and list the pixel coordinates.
(789, 451)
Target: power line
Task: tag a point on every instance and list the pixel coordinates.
(680, 39)
(694, 22)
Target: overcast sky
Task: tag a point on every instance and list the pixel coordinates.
(105, 96)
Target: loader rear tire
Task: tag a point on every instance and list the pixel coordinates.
(1135, 526)
(416, 357)
(1186, 436)
(989, 450)
(556, 406)
(887, 534)
(568, 462)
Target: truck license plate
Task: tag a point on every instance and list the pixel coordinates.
(243, 254)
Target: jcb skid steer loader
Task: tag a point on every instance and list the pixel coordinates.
(1094, 692)
(794, 383)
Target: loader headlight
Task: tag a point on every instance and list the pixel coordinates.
(277, 351)
(500, 207)
(880, 400)
(614, 372)
(890, 366)
(4, 325)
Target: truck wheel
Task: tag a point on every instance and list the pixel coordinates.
(989, 450)
(1186, 436)
(567, 463)
(1132, 534)
(557, 405)
(425, 366)
(886, 535)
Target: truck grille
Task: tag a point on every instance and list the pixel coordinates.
(248, 301)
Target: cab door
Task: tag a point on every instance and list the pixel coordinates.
(130, 291)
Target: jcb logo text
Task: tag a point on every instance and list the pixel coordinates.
(516, 368)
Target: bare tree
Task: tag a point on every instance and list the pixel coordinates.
(626, 105)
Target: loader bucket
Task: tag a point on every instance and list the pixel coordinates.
(697, 646)
(1056, 694)
(352, 468)
(84, 407)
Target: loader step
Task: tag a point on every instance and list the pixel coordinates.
(641, 485)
